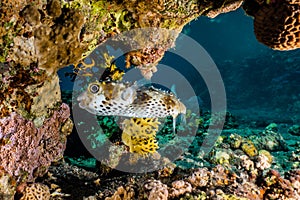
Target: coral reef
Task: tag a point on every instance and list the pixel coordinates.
(278, 31)
(39, 37)
(238, 175)
(36, 191)
(269, 140)
(58, 45)
(295, 159)
(276, 187)
(41, 33)
(228, 6)
(52, 34)
(220, 156)
(27, 151)
(264, 160)
(21, 87)
(200, 177)
(217, 182)
(180, 187)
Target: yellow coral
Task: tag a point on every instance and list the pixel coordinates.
(249, 148)
(231, 197)
(122, 193)
(116, 74)
(139, 135)
(222, 157)
(267, 154)
(36, 191)
(85, 69)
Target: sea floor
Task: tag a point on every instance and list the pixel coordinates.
(254, 158)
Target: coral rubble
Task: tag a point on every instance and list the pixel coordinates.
(241, 169)
(217, 182)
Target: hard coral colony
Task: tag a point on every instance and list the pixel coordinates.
(139, 135)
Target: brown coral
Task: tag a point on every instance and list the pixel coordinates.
(40, 33)
(294, 177)
(59, 45)
(17, 92)
(264, 160)
(222, 176)
(149, 48)
(156, 190)
(277, 25)
(278, 187)
(249, 148)
(7, 186)
(122, 193)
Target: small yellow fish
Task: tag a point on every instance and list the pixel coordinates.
(130, 100)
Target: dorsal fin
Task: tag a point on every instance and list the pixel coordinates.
(142, 82)
(173, 89)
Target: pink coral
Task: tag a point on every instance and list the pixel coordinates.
(26, 151)
(156, 190)
(180, 187)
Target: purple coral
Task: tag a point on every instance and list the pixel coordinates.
(26, 150)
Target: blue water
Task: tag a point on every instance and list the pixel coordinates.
(258, 80)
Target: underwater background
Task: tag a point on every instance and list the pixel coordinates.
(53, 146)
(263, 99)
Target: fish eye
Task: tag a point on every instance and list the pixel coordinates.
(94, 88)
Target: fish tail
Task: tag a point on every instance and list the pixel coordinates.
(183, 119)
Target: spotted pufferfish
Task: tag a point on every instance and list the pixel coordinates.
(129, 100)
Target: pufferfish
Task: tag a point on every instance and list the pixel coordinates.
(130, 100)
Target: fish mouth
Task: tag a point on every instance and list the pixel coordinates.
(81, 99)
(84, 103)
